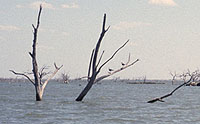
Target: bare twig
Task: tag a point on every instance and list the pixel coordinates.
(112, 56)
(42, 73)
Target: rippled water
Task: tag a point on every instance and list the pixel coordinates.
(106, 103)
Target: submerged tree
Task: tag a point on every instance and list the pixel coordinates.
(38, 75)
(94, 66)
(187, 78)
(65, 77)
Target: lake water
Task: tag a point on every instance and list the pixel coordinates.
(106, 103)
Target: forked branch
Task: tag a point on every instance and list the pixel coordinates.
(52, 75)
(42, 72)
(94, 67)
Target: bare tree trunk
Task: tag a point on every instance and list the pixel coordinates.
(39, 94)
(39, 85)
(38, 90)
(93, 64)
(86, 89)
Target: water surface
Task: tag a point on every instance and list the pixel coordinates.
(106, 103)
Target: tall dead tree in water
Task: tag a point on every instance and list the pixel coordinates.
(94, 64)
(38, 75)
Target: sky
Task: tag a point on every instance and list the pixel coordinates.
(164, 35)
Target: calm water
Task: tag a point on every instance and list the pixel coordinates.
(106, 103)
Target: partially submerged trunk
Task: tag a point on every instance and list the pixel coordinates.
(86, 89)
(39, 94)
(94, 64)
(37, 82)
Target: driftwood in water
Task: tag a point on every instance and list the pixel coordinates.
(37, 82)
(94, 67)
(171, 93)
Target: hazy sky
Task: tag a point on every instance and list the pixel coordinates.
(164, 35)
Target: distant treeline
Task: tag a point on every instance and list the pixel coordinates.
(22, 80)
(60, 80)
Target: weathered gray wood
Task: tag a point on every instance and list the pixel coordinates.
(93, 64)
(39, 85)
(171, 93)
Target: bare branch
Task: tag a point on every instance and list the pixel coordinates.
(38, 21)
(112, 56)
(98, 44)
(42, 73)
(162, 97)
(104, 23)
(57, 67)
(33, 27)
(80, 78)
(129, 57)
(100, 59)
(90, 64)
(23, 75)
(31, 54)
(118, 70)
(28, 73)
(107, 28)
(53, 74)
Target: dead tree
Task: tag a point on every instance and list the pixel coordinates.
(94, 66)
(65, 77)
(173, 77)
(189, 76)
(38, 75)
(167, 95)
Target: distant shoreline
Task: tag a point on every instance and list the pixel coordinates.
(128, 81)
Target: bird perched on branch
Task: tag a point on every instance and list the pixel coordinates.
(110, 69)
(122, 64)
